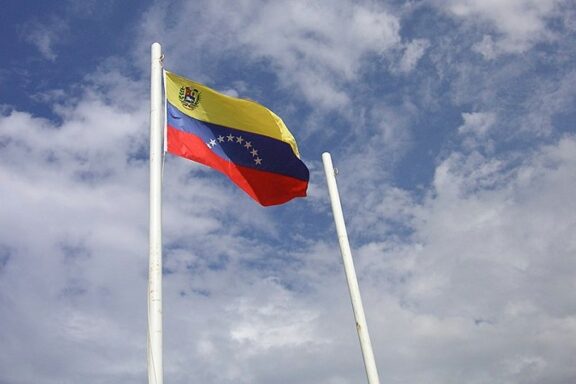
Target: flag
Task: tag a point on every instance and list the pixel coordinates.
(240, 138)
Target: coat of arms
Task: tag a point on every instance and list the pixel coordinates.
(190, 97)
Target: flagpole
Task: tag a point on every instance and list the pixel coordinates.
(155, 371)
(361, 325)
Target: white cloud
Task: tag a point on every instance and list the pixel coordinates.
(489, 228)
(44, 43)
(45, 35)
(413, 52)
(74, 236)
(517, 24)
(476, 130)
(313, 48)
(275, 325)
(486, 47)
(477, 123)
(467, 280)
(489, 265)
(74, 253)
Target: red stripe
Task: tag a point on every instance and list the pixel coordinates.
(265, 187)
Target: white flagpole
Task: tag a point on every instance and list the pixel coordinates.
(361, 326)
(155, 371)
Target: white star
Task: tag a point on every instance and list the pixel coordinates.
(230, 137)
(212, 143)
(220, 139)
(248, 145)
(239, 139)
(258, 161)
(254, 152)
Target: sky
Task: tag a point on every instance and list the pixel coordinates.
(451, 124)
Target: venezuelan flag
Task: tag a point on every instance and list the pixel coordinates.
(240, 138)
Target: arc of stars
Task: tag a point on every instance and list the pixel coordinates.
(230, 138)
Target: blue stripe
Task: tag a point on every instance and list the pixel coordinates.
(240, 147)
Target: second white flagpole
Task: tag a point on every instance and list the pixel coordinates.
(361, 325)
(155, 370)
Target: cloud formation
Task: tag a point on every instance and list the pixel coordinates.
(517, 24)
(451, 124)
(313, 49)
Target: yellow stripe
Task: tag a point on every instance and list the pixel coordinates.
(217, 108)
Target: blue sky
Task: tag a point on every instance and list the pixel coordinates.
(451, 124)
